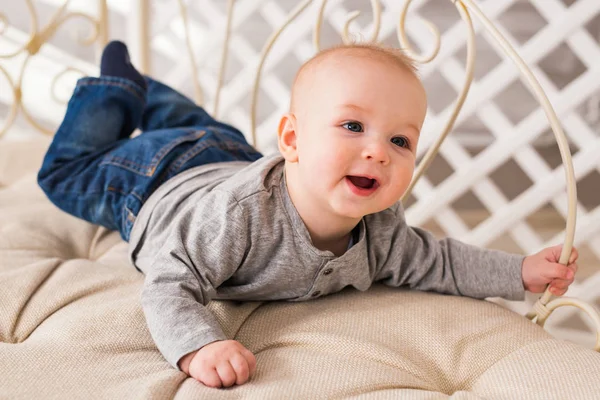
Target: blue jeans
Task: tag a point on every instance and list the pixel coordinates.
(95, 171)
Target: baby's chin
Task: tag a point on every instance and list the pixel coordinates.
(356, 212)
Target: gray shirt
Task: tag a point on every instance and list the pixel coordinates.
(230, 231)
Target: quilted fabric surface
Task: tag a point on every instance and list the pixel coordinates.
(71, 326)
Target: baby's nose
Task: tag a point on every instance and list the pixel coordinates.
(376, 151)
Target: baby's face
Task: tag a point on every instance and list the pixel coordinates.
(358, 126)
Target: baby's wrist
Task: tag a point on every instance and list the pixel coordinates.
(524, 271)
(184, 362)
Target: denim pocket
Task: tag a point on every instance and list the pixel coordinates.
(143, 156)
(223, 149)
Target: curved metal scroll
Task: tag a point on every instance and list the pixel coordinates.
(470, 64)
(542, 308)
(37, 38)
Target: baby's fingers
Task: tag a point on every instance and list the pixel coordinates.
(208, 376)
(251, 359)
(226, 373)
(558, 271)
(240, 366)
(558, 292)
(558, 287)
(574, 255)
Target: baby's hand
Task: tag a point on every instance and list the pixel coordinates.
(543, 268)
(220, 364)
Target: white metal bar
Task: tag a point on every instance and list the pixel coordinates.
(495, 155)
(139, 35)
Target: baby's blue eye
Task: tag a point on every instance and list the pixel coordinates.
(400, 141)
(353, 126)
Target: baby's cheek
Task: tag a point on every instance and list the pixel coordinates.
(335, 167)
(407, 170)
(318, 168)
(402, 180)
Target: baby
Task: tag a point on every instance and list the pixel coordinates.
(208, 217)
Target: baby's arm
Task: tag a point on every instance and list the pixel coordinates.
(417, 259)
(203, 251)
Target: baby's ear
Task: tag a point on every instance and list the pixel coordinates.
(286, 138)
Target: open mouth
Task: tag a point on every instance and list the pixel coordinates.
(362, 185)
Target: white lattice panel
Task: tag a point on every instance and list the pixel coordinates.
(497, 181)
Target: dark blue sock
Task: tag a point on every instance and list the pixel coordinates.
(115, 62)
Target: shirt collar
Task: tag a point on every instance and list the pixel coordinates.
(357, 235)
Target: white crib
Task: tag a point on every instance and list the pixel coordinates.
(237, 58)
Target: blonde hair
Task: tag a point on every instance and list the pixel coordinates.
(393, 54)
(366, 49)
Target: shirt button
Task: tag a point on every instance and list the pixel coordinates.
(316, 293)
(328, 271)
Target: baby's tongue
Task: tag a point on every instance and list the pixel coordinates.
(361, 181)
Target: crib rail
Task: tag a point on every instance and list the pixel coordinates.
(38, 36)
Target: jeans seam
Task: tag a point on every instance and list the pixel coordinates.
(137, 196)
(194, 151)
(126, 164)
(115, 190)
(197, 149)
(126, 216)
(148, 169)
(113, 84)
(165, 150)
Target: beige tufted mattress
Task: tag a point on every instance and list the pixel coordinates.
(71, 327)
